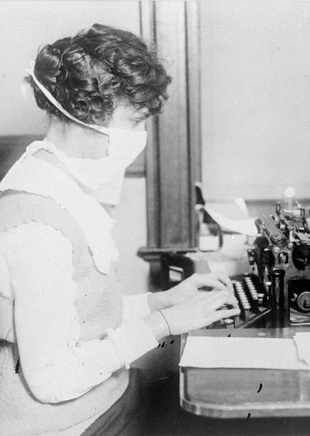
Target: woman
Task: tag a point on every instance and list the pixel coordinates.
(68, 335)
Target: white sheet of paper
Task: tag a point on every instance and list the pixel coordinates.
(228, 352)
(243, 226)
(302, 341)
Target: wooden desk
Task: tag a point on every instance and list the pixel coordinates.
(246, 393)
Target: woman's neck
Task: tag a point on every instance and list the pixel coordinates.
(77, 141)
(74, 141)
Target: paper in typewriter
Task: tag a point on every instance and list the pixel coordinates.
(269, 353)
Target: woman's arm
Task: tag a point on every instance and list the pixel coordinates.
(136, 306)
(142, 305)
(56, 365)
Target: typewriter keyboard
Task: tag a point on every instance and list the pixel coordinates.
(251, 302)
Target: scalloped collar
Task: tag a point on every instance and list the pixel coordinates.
(36, 176)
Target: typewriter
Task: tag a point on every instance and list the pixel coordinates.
(277, 291)
(281, 257)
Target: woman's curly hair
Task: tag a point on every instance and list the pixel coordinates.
(90, 73)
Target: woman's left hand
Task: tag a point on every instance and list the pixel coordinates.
(190, 287)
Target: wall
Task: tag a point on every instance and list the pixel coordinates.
(26, 25)
(255, 69)
(130, 233)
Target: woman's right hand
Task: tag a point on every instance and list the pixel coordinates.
(201, 310)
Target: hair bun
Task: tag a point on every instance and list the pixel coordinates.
(55, 55)
(55, 51)
(48, 64)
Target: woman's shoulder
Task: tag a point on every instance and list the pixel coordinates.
(17, 208)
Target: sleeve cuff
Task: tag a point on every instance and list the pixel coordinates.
(132, 341)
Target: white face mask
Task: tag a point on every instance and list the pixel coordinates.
(103, 176)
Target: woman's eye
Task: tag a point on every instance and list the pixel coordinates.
(136, 123)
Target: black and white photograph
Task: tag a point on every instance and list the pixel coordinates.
(155, 218)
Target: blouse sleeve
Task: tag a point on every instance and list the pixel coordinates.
(136, 307)
(57, 366)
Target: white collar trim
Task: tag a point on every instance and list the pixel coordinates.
(36, 176)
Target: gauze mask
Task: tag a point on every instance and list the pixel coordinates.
(103, 176)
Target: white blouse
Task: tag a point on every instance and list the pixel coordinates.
(36, 264)
(56, 365)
